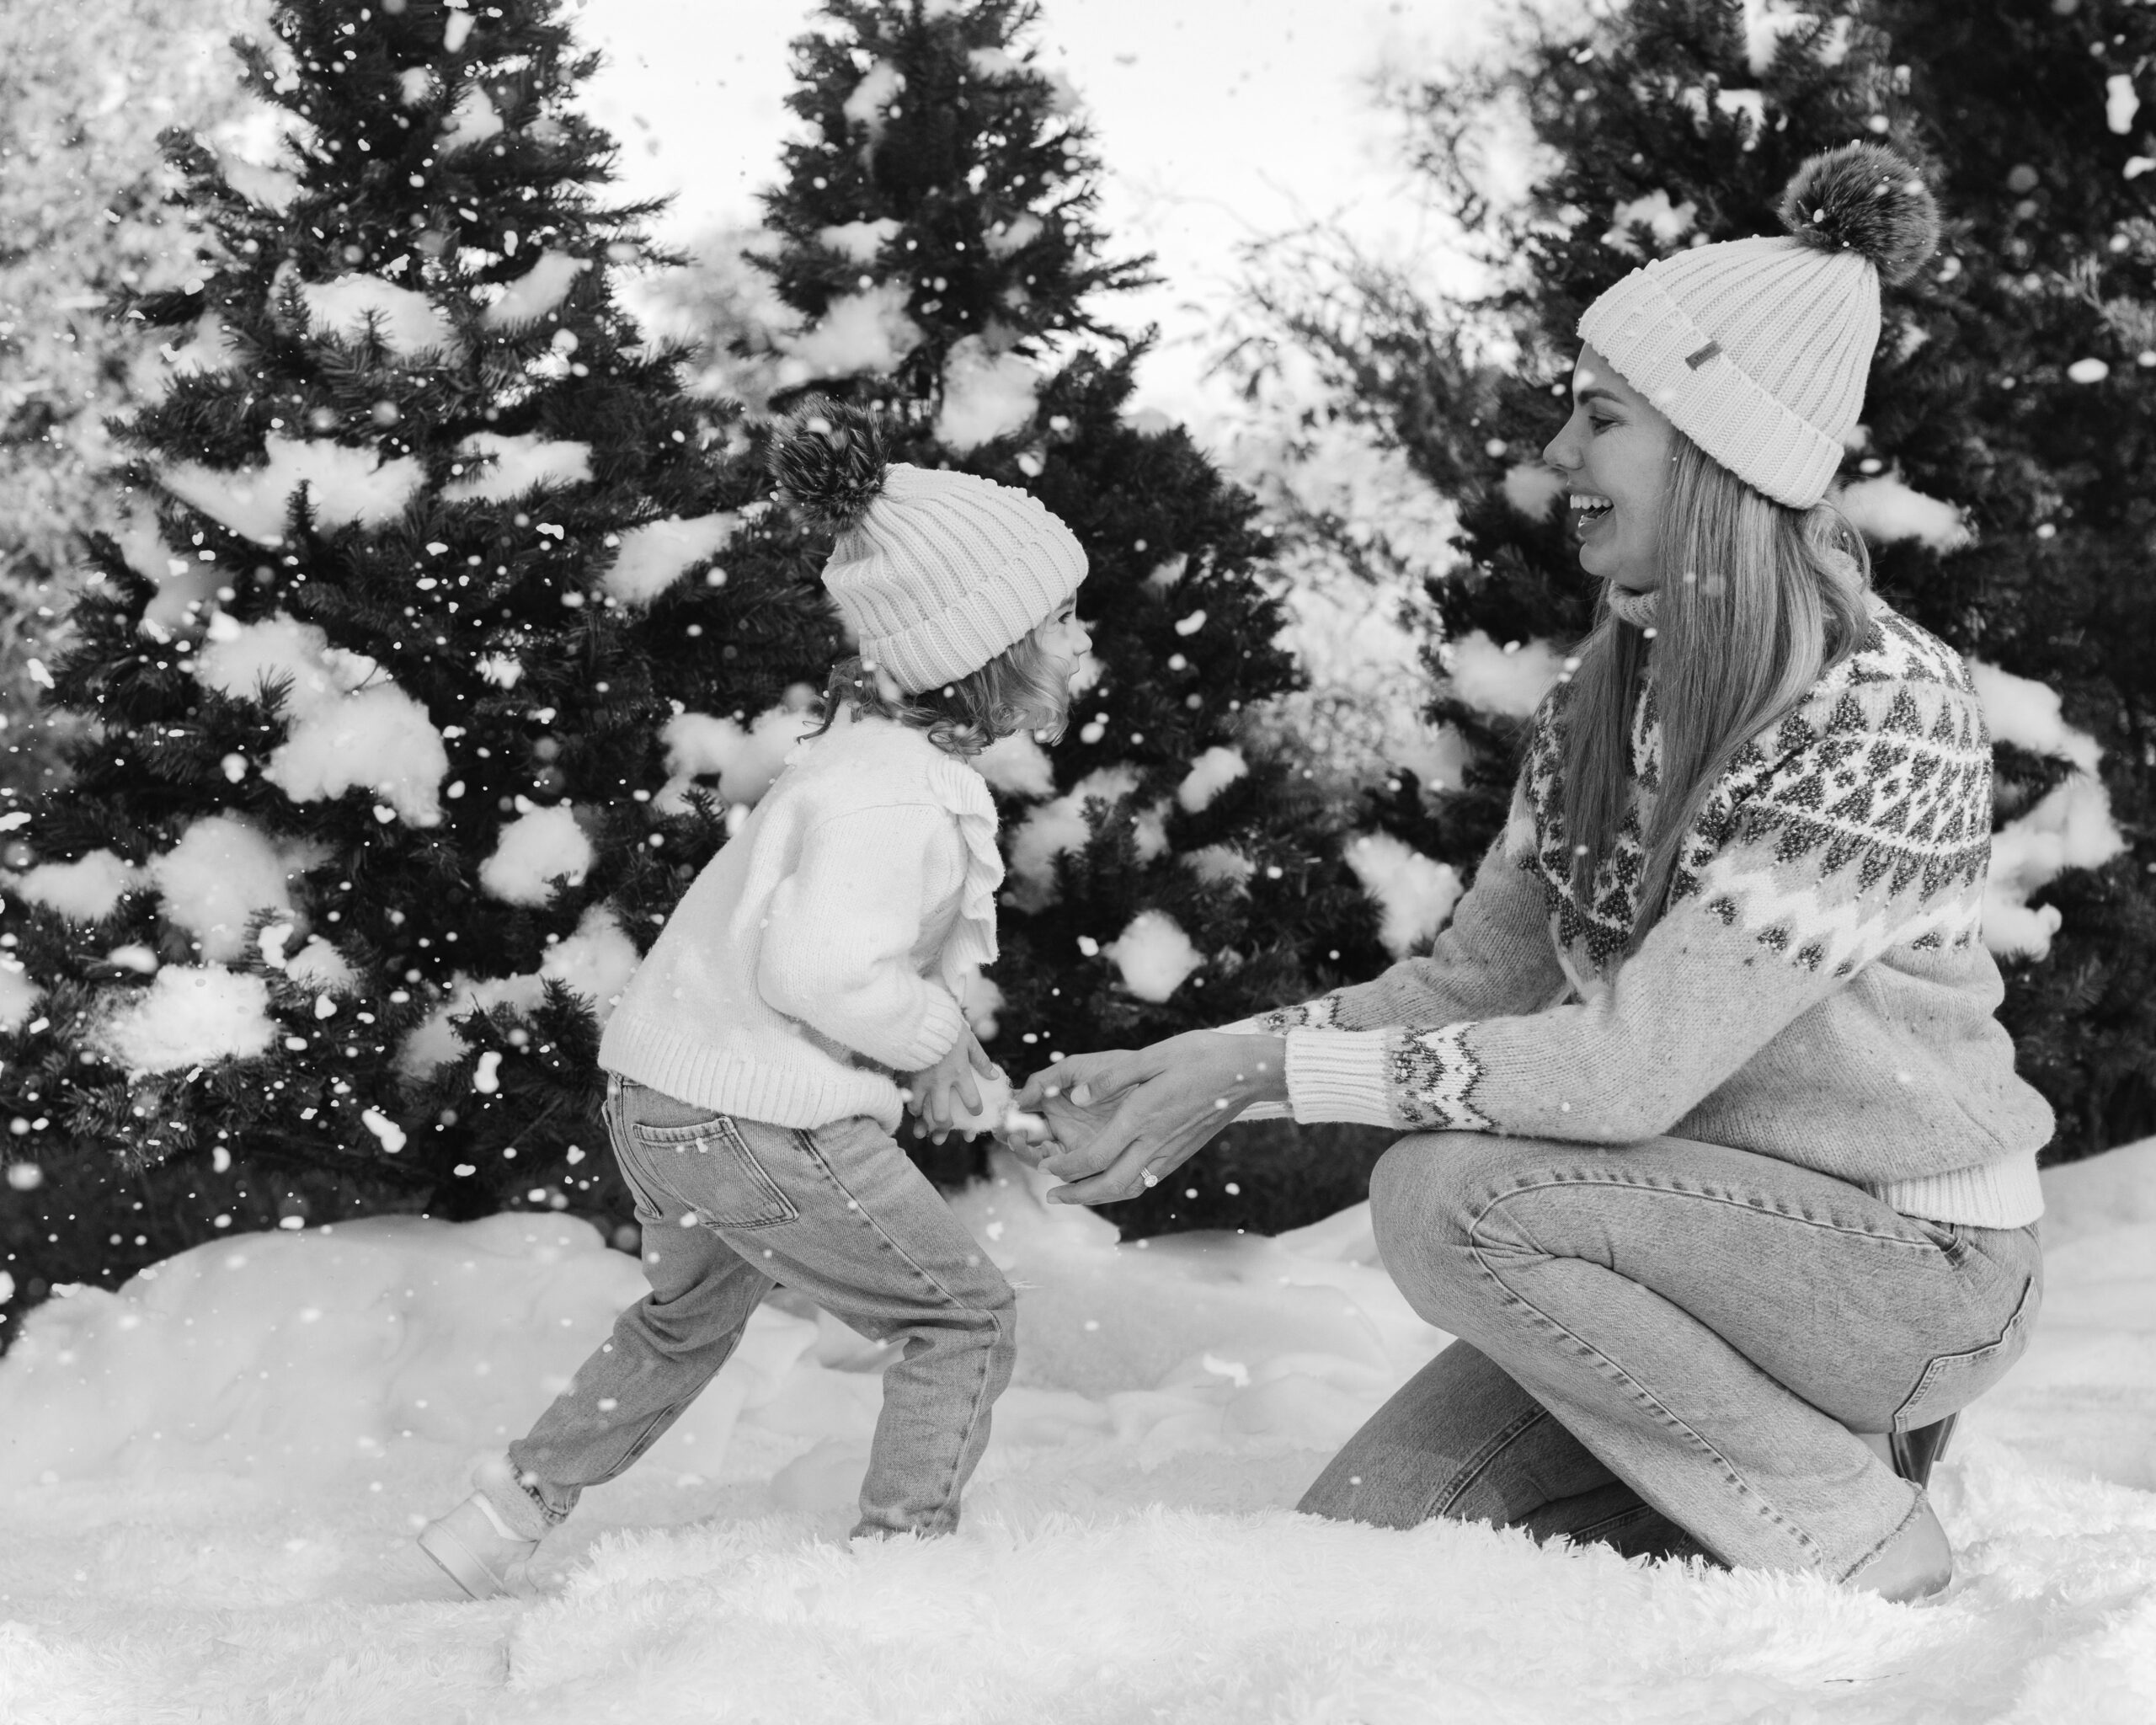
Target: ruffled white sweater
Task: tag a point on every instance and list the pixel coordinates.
(824, 952)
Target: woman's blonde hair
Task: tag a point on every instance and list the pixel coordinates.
(1019, 689)
(1757, 601)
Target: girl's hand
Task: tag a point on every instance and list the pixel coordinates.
(942, 1092)
(1169, 1100)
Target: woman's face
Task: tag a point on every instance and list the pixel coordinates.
(1615, 454)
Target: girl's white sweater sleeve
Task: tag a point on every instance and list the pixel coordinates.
(838, 955)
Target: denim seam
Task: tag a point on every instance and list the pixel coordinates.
(1639, 1184)
(815, 1155)
(1587, 1535)
(720, 1131)
(1645, 1396)
(2016, 1321)
(1482, 1462)
(1916, 1506)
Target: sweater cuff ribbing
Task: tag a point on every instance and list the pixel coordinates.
(2000, 1194)
(1340, 1075)
(937, 1033)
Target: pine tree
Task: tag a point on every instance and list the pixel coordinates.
(937, 237)
(83, 217)
(2013, 393)
(359, 849)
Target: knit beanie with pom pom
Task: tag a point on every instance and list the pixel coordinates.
(935, 572)
(1757, 350)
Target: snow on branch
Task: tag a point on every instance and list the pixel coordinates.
(2026, 713)
(1017, 765)
(2070, 828)
(540, 289)
(864, 332)
(533, 852)
(1210, 774)
(1653, 212)
(222, 871)
(880, 87)
(1510, 680)
(859, 242)
(18, 996)
(744, 761)
(1747, 107)
(348, 727)
(513, 465)
(204, 350)
(1012, 236)
(1885, 509)
(1766, 21)
(345, 485)
(1415, 893)
(595, 963)
(86, 890)
(377, 739)
(408, 323)
(1220, 865)
(656, 555)
(1154, 955)
(1058, 827)
(188, 1016)
(474, 120)
(986, 395)
(1531, 487)
(320, 966)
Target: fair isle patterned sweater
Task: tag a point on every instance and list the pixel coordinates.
(1815, 991)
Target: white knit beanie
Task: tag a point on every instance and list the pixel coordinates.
(936, 572)
(1757, 350)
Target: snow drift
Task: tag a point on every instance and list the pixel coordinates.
(214, 1475)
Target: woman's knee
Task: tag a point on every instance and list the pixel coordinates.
(1425, 1192)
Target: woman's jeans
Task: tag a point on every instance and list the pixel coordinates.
(728, 1207)
(1670, 1347)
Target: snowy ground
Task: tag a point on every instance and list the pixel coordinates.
(212, 1479)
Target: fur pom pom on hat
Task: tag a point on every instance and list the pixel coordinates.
(828, 463)
(935, 572)
(1758, 349)
(1867, 199)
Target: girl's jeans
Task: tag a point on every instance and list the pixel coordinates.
(728, 1207)
(1669, 1346)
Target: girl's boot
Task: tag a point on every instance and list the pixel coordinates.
(485, 1542)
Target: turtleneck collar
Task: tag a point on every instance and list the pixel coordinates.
(1637, 609)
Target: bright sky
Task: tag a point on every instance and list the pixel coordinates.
(1218, 120)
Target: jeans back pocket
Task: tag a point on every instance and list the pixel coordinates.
(1953, 1380)
(708, 1168)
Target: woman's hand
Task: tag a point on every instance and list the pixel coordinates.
(1168, 1101)
(940, 1093)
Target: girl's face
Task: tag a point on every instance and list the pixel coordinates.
(1615, 453)
(1065, 640)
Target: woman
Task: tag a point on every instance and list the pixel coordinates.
(1720, 1169)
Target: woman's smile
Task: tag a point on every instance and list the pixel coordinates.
(1589, 511)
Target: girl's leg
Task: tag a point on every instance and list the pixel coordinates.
(838, 1214)
(1711, 1325)
(665, 1348)
(1462, 1441)
(850, 1221)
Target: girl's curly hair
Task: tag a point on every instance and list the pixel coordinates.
(1019, 689)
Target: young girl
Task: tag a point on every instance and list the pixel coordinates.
(1718, 1164)
(806, 986)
